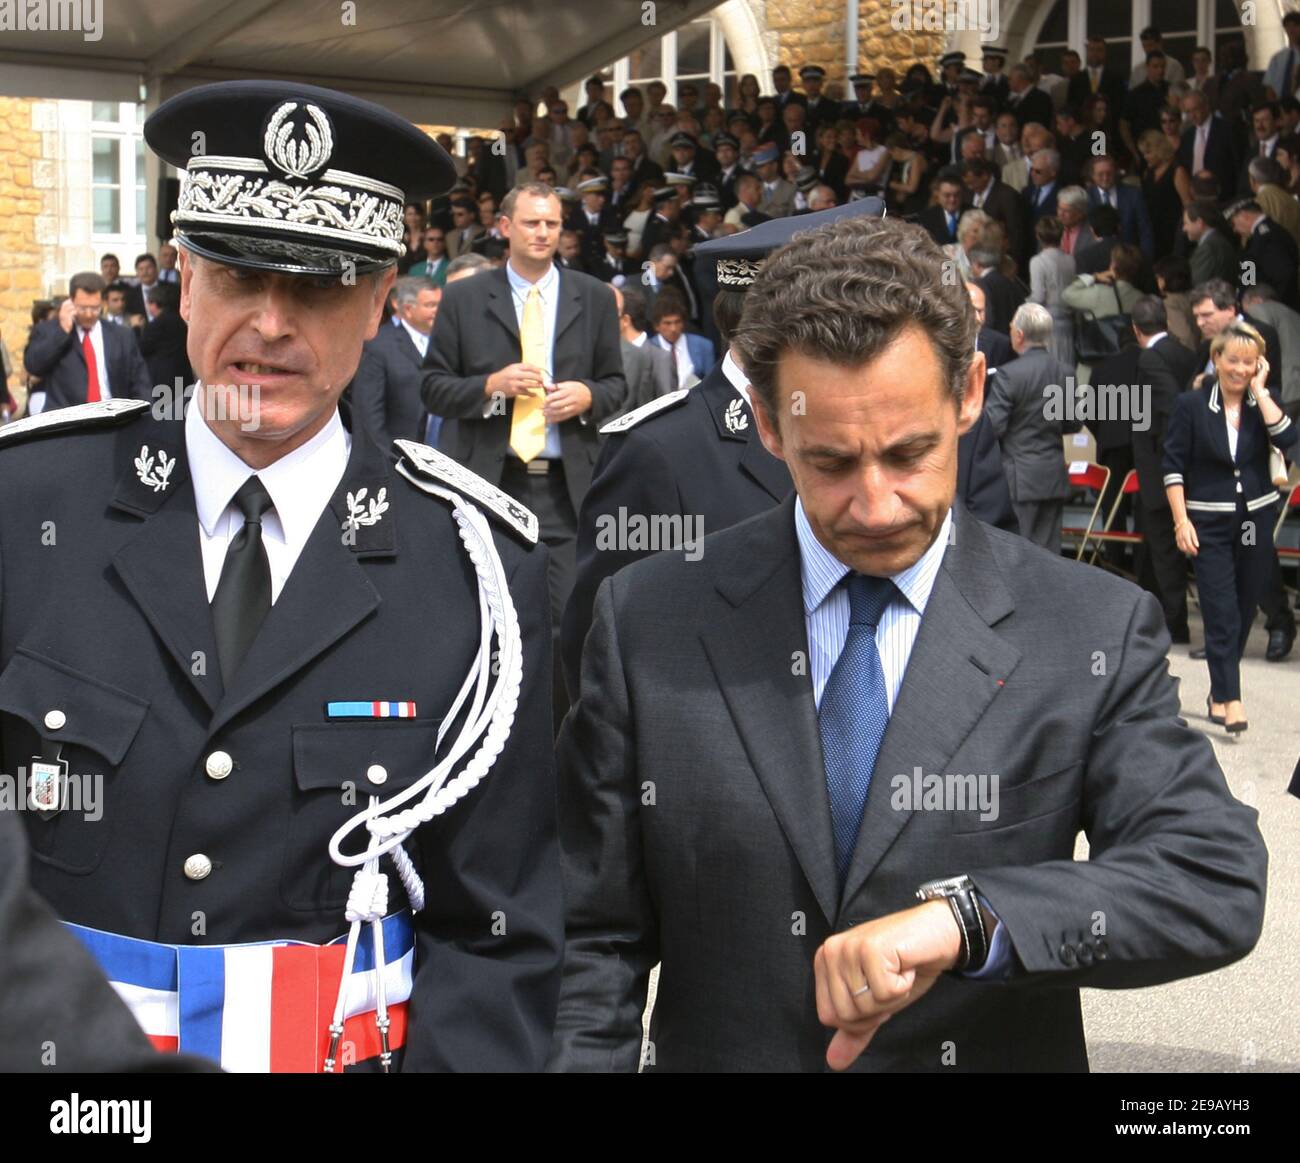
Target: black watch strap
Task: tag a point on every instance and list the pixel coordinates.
(974, 940)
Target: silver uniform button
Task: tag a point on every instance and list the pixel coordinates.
(377, 774)
(54, 720)
(197, 866)
(219, 765)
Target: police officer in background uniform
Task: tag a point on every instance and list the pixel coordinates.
(240, 626)
(694, 453)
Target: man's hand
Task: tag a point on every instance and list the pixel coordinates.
(67, 313)
(569, 398)
(516, 379)
(897, 958)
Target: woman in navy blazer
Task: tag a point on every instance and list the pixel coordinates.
(1223, 501)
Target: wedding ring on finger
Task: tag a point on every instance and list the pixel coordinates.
(865, 989)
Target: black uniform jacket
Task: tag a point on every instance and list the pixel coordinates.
(104, 617)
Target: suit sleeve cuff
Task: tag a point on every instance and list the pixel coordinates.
(1001, 963)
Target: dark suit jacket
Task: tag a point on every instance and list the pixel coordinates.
(1112, 85)
(1276, 259)
(935, 220)
(110, 631)
(55, 355)
(1034, 105)
(386, 388)
(476, 334)
(1002, 298)
(162, 343)
(996, 347)
(1134, 222)
(1221, 157)
(696, 825)
(1031, 439)
(1272, 353)
(1040, 209)
(1168, 367)
(1003, 203)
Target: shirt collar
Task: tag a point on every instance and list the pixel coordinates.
(83, 333)
(421, 341)
(521, 286)
(822, 570)
(300, 483)
(640, 339)
(1156, 338)
(736, 376)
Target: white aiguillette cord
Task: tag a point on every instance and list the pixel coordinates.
(489, 719)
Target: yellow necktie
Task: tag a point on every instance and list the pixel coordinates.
(527, 424)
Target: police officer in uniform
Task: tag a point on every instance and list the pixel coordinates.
(693, 453)
(591, 221)
(242, 628)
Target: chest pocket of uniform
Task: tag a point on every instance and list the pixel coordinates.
(337, 767)
(94, 724)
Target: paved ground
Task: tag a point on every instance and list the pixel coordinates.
(1243, 1018)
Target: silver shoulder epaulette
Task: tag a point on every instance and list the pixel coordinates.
(653, 408)
(76, 416)
(428, 464)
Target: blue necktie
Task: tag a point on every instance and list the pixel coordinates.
(854, 713)
(952, 227)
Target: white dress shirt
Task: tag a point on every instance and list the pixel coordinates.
(101, 363)
(420, 340)
(549, 286)
(736, 377)
(826, 606)
(300, 485)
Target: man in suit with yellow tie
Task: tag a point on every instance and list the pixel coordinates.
(524, 367)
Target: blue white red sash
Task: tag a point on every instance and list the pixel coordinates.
(262, 1007)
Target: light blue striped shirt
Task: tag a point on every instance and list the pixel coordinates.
(826, 615)
(826, 606)
(549, 286)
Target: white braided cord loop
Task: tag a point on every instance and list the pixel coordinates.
(490, 718)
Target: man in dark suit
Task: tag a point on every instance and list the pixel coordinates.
(1040, 195)
(941, 219)
(647, 368)
(255, 633)
(690, 159)
(1029, 408)
(998, 200)
(81, 360)
(386, 389)
(1026, 100)
(781, 85)
(592, 219)
(1207, 145)
(1144, 101)
(818, 666)
(1267, 251)
(1166, 367)
(524, 366)
(821, 110)
(1134, 222)
(163, 338)
(1002, 296)
(1096, 77)
(730, 171)
(993, 345)
(644, 167)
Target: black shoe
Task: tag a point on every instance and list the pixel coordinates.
(1198, 654)
(1236, 728)
(1279, 644)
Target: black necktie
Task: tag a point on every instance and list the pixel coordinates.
(243, 594)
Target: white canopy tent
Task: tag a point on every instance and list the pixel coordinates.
(446, 62)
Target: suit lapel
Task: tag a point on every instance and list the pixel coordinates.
(570, 305)
(501, 301)
(957, 665)
(1218, 423)
(755, 461)
(162, 566)
(328, 592)
(751, 648)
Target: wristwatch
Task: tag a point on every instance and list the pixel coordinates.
(960, 894)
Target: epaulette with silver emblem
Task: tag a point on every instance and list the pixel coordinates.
(435, 466)
(653, 408)
(76, 416)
